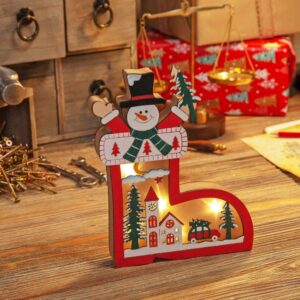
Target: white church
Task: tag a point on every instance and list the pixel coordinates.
(164, 233)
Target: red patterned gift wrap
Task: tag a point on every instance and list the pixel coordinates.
(273, 60)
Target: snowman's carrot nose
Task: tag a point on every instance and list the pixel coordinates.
(141, 117)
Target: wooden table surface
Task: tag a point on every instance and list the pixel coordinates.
(56, 246)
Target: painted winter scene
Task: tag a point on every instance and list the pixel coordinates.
(151, 225)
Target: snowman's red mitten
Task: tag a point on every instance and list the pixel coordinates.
(174, 119)
(114, 123)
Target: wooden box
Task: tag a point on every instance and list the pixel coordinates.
(83, 34)
(48, 44)
(65, 62)
(41, 77)
(253, 19)
(78, 73)
(19, 121)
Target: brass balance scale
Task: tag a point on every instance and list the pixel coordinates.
(210, 123)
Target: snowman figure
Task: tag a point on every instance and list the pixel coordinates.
(140, 112)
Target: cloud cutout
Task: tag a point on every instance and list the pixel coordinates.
(156, 173)
(133, 179)
(141, 178)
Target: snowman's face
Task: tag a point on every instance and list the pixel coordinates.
(143, 117)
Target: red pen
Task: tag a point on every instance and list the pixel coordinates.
(286, 134)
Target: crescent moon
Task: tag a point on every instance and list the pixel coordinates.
(137, 170)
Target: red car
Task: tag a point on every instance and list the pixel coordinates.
(212, 234)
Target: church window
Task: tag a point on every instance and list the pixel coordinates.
(169, 223)
(152, 222)
(170, 239)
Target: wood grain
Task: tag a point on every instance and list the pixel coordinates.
(20, 120)
(40, 77)
(56, 246)
(78, 73)
(59, 83)
(83, 34)
(50, 42)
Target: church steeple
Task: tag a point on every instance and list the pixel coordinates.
(151, 196)
(151, 202)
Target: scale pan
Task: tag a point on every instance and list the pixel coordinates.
(231, 76)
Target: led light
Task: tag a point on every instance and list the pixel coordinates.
(215, 206)
(127, 169)
(162, 204)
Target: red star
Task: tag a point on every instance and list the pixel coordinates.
(158, 179)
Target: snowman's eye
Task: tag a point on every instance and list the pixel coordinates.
(146, 111)
(141, 112)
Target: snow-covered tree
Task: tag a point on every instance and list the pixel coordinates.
(185, 91)
(134, 223)
(228, 220)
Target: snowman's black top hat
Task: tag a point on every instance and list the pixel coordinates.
(139, 83)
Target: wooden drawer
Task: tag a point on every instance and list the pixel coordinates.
(83, 34)
(50, 41)
(41, 77)
(78, 73)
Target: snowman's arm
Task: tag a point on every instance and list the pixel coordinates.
(174, 118)
(114, 122)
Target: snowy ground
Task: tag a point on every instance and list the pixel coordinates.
(168, 248)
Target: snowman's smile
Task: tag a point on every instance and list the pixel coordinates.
(142, 118)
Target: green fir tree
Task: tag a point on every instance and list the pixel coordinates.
(186, 92)
(228, 220)
(134, 223)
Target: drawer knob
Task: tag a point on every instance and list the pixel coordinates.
(25, 17)
(98, 87)
(102, 7)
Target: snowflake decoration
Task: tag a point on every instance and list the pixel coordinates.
(237, 47)
(211, 87)
(262, 74)
(184, 48)
(202, 77)
(269, 84)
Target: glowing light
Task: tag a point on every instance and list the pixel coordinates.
(127, 169)
(185, 231)
(162, 204)
(215, 206)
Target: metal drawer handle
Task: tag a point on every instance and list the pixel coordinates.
(98, 87)
(25, 17)
(102, 7)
